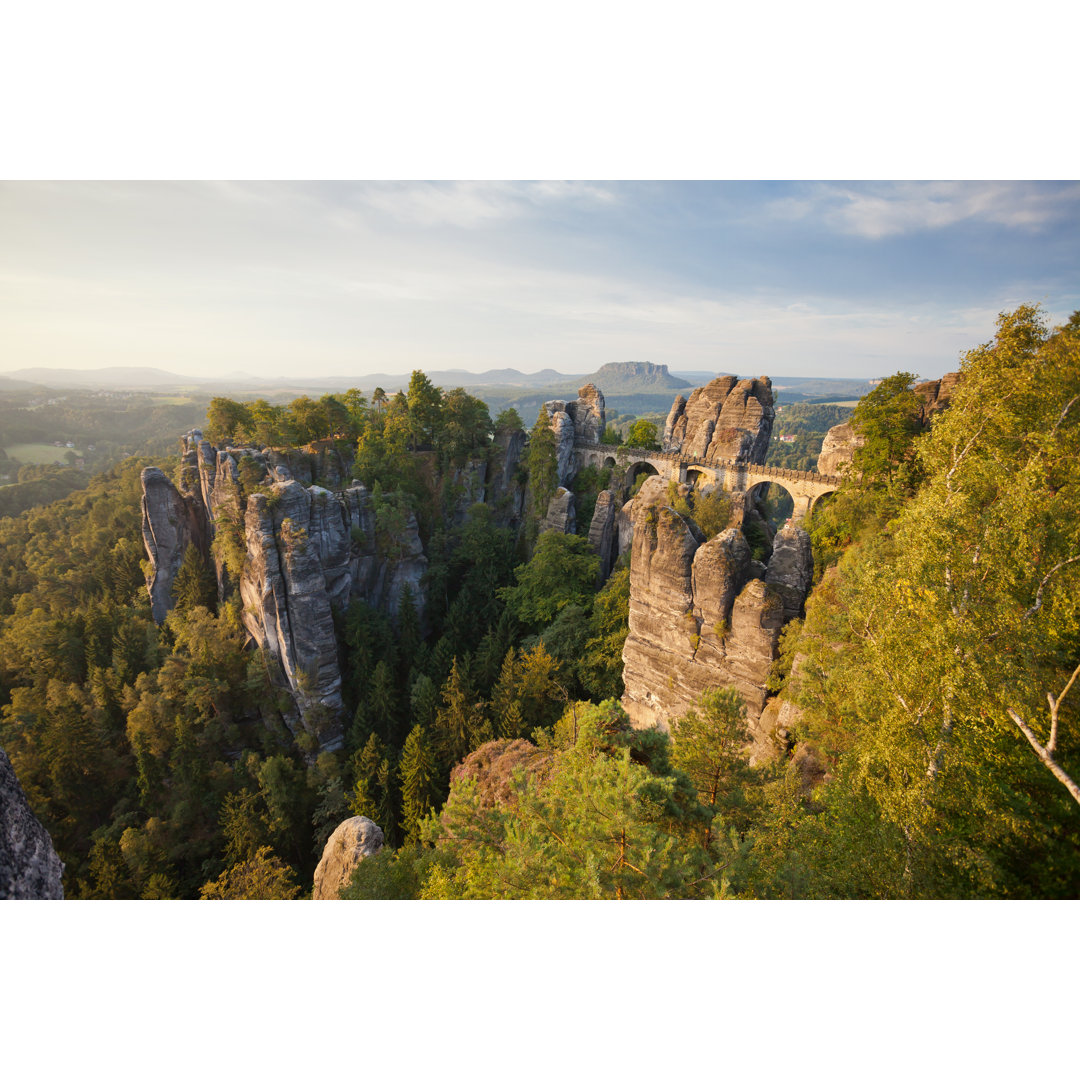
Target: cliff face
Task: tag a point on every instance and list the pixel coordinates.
(308, 552)
(728, 419)
(838, 450)
(505, 491)
(30, 869)
(704, 615)
(936, 394)
(170, 521)
(582, 420)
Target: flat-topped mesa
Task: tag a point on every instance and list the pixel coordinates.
(728, 419)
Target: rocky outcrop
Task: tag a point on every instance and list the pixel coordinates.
(838, 450)
(727, 420)
(170, 521)
(353, 841)
(505, 491)
(582, 420)
(492, 767)
(30, 869)
(703, 614)
(286, 605)
(602, 531)
(935, 395)
(588, 414)
(561, 513)
(307, 552)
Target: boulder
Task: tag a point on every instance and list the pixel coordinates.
(353, 841)
(30, 869)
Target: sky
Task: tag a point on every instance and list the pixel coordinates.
(828, 279)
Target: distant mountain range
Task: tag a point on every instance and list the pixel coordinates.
(630, 380)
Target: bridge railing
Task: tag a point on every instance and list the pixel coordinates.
(636, 453)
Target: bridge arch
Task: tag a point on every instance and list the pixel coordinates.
(639, 468)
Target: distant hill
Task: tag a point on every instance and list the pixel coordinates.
(630, 378)
(625, 380)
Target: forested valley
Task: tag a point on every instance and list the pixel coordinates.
(931, 677)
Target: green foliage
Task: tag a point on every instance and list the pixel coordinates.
(930, 771)
(643, 435)
(508, 421)
(562, 571)
(262, 877)
(391, 875)
(419, 782)
(194, 585)
(540, 458)
(598, 826)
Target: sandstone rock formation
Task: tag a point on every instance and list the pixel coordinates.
(170, 522)
(602, 531)
(353, 841)
(505, 491)
(703, 614)
(30, 869)
(728, 419)
(936, 394)
(582, 420)
(561, 513)
(838, 450)
(308, 551)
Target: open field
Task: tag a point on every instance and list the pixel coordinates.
(36, 453)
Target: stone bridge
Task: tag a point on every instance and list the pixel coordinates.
(805, 488)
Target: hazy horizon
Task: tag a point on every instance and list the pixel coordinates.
(344, 280)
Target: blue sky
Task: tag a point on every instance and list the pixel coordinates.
(781, 278)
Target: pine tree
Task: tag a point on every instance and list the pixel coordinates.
(419, 790)
(194, 585)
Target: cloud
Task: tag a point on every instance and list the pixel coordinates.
(473, 204)
(876, 211)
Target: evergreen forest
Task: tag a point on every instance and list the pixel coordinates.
(935, 673)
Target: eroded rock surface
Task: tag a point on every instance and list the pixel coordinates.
(727, 419)
(307, 552)
(170, 521)
(838, 450)
(353, 841)
(581, 420)
(602, 531)
(561, 513)
(936, 394)
(703, 614)
(30, 869)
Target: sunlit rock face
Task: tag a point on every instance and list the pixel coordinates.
(307, 552)
(838, 450)
(726, 420)
(353, 841)
(582, 421)
(703, 614)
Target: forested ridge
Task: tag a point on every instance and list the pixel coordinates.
(924, 763)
